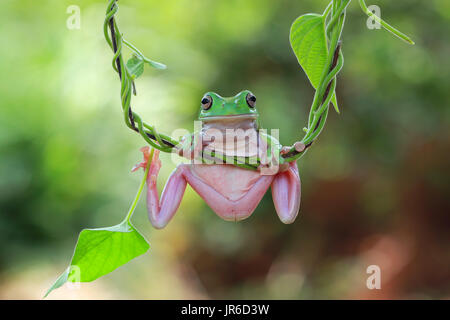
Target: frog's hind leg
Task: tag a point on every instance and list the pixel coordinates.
(286, 193)
(160, 212)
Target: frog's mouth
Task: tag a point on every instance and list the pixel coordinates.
(232, 118)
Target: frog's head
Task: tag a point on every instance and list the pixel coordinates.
(240, 107)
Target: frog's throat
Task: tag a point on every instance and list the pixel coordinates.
(231, 118)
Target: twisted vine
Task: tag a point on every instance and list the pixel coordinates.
(335, 14)
(116, 42)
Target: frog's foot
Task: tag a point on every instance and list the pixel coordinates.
(286, 193)
(298, 146)
(284, 150)
(155, 166)
(146, 152)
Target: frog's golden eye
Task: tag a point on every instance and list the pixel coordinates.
(206, 102)
(251, 100)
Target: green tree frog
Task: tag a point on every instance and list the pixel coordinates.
(230, 128)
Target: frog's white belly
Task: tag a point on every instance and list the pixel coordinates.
(231, 182)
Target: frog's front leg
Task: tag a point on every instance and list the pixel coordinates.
(160, 212)
(286, 193)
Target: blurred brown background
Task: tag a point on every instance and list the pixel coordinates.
(375, 187)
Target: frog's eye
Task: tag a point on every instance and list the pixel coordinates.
(251, 100)
(206, 102)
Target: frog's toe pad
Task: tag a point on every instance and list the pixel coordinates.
(146, 152)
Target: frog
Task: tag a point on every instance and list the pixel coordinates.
(231, 191)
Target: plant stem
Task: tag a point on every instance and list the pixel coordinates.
(385, 25)
(141, 187)
(327, 10)
(141, 55)
(115, 42)
(325, 90)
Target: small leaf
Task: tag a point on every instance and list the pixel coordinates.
(308, 41)
(155, 64)
(100, 251)
(135, 66)
(334, 102)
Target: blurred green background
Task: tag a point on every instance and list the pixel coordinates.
(375, 187)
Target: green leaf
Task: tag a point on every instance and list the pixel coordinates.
(139, 55)
(155, 64)
(334, 102)
(308, 41)
(135, 66)
(59, 282)
(100, 251)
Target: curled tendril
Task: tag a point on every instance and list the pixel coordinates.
(384, 24)
(115, 40)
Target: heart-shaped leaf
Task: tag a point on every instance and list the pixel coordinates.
(135, 66)
(308, 41)
(100, 251)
